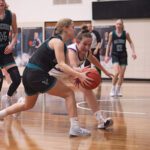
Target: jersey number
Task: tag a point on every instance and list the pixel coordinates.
(3, 36)
(119, 48)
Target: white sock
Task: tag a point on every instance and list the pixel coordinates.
(113, 88)
(118, 88)
(74, 122)
(3, 113)
(99, 116)
(8, 98)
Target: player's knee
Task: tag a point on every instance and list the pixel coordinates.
(121, 75)
(27, 106)
(68, 93)
(116, 73)
(86, 92)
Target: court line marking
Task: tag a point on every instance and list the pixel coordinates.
(133, 113)
(123, 99)
(126, 85)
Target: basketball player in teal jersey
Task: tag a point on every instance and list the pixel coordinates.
(76, 55)
(7, 21)
(36, 77)
(118, 39)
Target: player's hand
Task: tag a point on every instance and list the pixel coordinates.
(8, 49)
(134, 56)
(83, 79)
(110, 75)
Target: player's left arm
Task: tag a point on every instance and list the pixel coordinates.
(131, 45)
(10, 47)
(94, 61)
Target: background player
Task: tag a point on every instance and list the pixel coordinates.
(117, 39)
(7, 21)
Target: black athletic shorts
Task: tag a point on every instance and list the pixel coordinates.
(120, 57)
(37, 81)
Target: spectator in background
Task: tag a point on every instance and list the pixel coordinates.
(96, 43)
(36, 41)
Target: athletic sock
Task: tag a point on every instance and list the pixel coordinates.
(99, 116)
(74, 122)
(3, 114)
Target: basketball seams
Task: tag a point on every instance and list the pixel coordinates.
(91, 73)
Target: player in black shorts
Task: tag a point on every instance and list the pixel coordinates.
(118, 39)
(7, 21)
(36, 78)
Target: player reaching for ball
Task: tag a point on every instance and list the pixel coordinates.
(36, 78)
(76, 55)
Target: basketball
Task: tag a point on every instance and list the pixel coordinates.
(93, 74)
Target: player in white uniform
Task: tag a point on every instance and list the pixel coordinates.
(76, 55)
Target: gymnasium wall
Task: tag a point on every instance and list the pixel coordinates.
(139, 31)
(45, 10)
(34, 13)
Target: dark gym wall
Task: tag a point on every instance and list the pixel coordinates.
(127, 9)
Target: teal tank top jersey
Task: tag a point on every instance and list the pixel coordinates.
(44, 58)
(5, 25)
(118, 43)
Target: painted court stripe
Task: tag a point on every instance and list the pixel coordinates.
(133, 113)
(124, 99)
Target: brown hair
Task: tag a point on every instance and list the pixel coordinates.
(66, 22)
(84, 27)
(84, 33)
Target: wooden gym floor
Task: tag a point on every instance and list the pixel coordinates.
(46, 126)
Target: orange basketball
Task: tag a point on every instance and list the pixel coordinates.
(92, 73)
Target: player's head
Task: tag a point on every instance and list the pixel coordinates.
(3, 4)
(36, 35)
(66, 27)
(90, 27)
(84, 41)
(84, 27)
(119, 24)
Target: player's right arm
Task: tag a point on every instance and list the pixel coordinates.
(108, 47)
(58, 47)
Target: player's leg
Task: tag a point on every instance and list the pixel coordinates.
(61, 90)
(28, 103)
(12, 69)
(122, 68)
(90, 98)
(120, 80)
(16, 79)
(115, 79)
